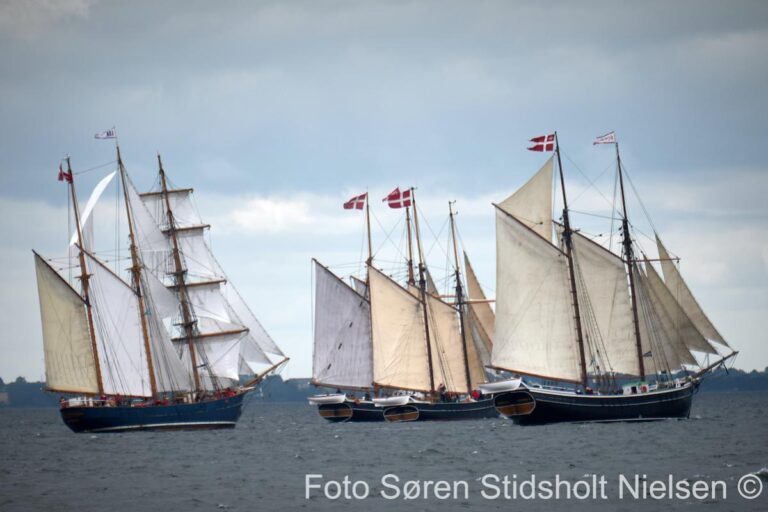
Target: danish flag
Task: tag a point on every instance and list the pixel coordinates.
(543, 143)
(64, 176)
(398, 199)
(356, 203)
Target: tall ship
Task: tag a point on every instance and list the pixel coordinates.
(173, 345)
(582, 332)
(413, 354)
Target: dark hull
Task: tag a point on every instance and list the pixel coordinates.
(211, 414)
(351, 411)
(536, 407)
(448, 411)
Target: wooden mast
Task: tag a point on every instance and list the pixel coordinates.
(569, 254)
(460, 299)
(136, 276)
(411, 278)
(368, 228)
(423, 293)
(629, 260)
(179, 276)
(84, 277)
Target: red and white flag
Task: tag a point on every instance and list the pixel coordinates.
(64, 176)
(398, 199)
(608, 138)
(356, 203)
(543, 143)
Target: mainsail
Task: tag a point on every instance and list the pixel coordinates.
(342, 331)
(531, 204)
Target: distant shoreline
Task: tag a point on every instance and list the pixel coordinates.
(21, 394)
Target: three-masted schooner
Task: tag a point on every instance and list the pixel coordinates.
(164, 350)
(589, 335)
(416, 356)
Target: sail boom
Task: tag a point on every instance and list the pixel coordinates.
(531, 374)
(159, 193)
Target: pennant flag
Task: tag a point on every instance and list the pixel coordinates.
(608, 138)
(64, 176)
(543, 143)
(356, 203)
(398, 199)
(107, 134)
(648, 354)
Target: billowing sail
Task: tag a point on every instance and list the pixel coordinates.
(531, 204)
(398, 335)
(86, 219)
(481, 316)
(659, 336)
(119, 334)
(343, 351)
(682, 325)
(685, 298)
(446, 345)
(534, 332)
(604, 290)
(69, 363)
(184, 212)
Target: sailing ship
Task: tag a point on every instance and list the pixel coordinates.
(403, 345)
(588, 334)
(165, 349)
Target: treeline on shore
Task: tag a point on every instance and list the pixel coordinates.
(21, 393)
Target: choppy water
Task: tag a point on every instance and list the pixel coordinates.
(261, 465)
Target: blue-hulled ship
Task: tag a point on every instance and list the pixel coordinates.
(172, 345)
(586, 333)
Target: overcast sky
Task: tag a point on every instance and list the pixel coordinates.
(277, 112)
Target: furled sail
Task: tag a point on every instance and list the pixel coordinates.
(534, 332)
(69, 363)
(603, 280)
(398, 335)
(531, 204)
(119, 335)
(342, 331)
(685, 298)
(681, 323)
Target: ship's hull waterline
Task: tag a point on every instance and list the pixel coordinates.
(364, 411)
(210, 414)
(533, 406)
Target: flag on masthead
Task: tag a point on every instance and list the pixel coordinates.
(608, 138)
(543, 143)
(356, 203)
(398, 199)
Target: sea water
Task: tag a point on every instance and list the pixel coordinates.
(285, 457)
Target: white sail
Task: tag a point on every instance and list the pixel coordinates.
(198, 259)
(360, 286)
(153, 245)
(184, 212)
(657, 329)
(218, 359)
(343, 352)
(532, 203)
(208, 300)
(446, 345)
(534, 332)
(682, 325)
(604, 278)
(481, 314)
(69, 362)
(398, 335)
(685, 298)
(86, 223)
(119, 335)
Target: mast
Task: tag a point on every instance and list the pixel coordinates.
(423, 293)
(84, 277)
(460, 299)
(136, 276)
(569, 254)
(627, 243)
(367, 224)
(179, 275)
(411, 279)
